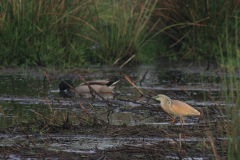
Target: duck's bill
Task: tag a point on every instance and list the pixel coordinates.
(115, 83)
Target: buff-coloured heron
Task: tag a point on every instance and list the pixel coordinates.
(175, 107)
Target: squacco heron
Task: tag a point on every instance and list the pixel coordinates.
(175, 107)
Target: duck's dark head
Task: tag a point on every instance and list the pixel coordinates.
(63, 86)
(112, 83)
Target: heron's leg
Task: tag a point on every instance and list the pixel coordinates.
(173, 119)
(182, 120)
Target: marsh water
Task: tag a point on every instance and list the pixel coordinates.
(25, 92)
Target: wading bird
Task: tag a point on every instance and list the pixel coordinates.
(100, 86)
(175, 107)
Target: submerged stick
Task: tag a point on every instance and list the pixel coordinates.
(129, 80)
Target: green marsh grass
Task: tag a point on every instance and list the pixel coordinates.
(203, 22)
(40, 32)
(75, 32)
(118, 28)
(83, 32)
(228, 52)
(230, 66)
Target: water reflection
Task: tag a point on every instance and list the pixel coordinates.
(108, 95)
(28, 91)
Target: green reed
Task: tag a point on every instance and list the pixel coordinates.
(230, 65)
(204, 22)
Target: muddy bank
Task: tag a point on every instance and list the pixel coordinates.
(61, 139)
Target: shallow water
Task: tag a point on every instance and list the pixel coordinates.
(21, 93)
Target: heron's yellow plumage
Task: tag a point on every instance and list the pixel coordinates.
(183, 109)
(176, 107)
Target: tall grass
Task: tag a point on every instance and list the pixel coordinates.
(204, 22)
(118, 28)
(75, 32)
(40, 32)
(230, 64)
(79, 32)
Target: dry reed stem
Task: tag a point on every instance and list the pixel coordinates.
(72, 87)
(129, 80)
(96, 111)
(141, 98)
(41, 115)
(92, 88)
(85, 109)
(47, 77)
(180, 39)
(29, 138)
(49, 105)
(145, 149)
(220, 108)
(153, 27)
(107, 106)
(204, 146)
(50, 136)
(114, 63)
(210, 139)
(44, 127)
(100, 57)
(180, 146)
(127, 61)
(186, 54)
(171, 117)
(58, 101)
(185, 91)
(113, 132)
(170, 136)
(46, 145)
(143, 77)
(64, 117)
(150, 91)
